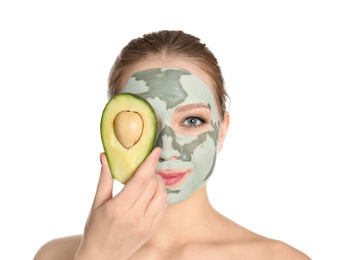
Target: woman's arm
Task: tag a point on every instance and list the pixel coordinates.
(117, 226)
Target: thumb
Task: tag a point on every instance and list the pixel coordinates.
(105, 184)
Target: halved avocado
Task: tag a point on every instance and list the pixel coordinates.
(128, 132)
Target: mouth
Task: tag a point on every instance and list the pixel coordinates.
(172, 178)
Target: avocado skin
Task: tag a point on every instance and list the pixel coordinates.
(124, 162)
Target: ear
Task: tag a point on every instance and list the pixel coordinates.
(224, 126)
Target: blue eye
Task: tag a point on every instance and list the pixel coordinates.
(193, 121)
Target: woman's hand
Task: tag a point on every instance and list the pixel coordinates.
(118, 226)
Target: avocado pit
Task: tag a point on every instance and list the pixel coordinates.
(128, 127)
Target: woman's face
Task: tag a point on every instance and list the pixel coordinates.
(189, 125)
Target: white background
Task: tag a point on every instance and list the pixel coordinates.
(279, 173)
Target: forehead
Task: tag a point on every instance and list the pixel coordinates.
(171, 85)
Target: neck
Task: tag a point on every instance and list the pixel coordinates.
(185, 221)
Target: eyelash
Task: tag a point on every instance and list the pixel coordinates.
(202, 121)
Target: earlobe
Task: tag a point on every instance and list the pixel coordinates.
(224, 126)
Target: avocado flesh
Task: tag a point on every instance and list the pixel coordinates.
(123, 162)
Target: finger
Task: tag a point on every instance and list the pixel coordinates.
(158, 207)
(105, 184)
(139, 181)
(158, 203)
(158, 217)
(144, 199)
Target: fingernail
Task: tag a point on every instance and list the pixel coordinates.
(158, 152)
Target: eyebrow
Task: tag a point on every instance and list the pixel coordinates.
(192, 106)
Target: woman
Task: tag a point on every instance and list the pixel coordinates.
(163, 212)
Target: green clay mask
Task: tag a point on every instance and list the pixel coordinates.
(189, 125)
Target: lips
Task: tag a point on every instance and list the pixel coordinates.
(172, 178)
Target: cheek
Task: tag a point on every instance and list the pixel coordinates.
(201, 149)
(204, 154)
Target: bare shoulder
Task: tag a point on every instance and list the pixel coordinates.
(281, 250)
(256, 246)
(59, 248)
(260, 247)
(242, 243)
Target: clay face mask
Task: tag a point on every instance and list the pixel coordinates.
(188, 127)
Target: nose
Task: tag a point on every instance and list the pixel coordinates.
(166, 141)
